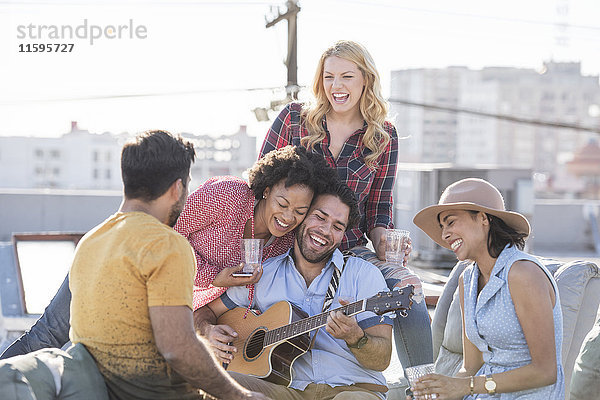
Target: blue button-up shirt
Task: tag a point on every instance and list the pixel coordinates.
(329, 361)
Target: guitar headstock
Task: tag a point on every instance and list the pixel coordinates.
(385, 302)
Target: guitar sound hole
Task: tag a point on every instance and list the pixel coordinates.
(255, 344)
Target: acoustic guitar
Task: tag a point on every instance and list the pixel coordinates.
(272, 341)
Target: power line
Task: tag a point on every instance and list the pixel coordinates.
(133, 3)
(504, 117)
(138, 95)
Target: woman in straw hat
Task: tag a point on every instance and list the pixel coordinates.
(512, 321)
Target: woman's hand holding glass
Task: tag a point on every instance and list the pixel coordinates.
(225, 278)
(440, 387)
(392, 245)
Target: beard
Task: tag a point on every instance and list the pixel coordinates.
(311, 256)
(176, 210)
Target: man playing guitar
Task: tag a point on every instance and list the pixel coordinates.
(346, 358)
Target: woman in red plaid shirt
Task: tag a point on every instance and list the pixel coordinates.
(346, 124)
(225, 209)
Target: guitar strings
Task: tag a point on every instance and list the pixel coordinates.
(264, 338)
(307, 324)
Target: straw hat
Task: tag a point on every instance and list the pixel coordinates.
(468, 194)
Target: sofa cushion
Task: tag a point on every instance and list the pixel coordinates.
(439, 321)
(13, 384)
(453, 331)
(586, 374)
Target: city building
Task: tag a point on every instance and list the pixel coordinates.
(83, 160)
(222, 155)
(76, 160)
(557, 93)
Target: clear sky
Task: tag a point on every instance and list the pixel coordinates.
(197, 55)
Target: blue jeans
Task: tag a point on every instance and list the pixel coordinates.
(50, 330)
(412, 334)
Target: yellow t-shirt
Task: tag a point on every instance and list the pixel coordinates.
(128, 263)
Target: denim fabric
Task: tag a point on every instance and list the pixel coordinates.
(50, 330)
(412, 335)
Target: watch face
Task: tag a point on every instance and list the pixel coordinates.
(363, 340)
(490, 385)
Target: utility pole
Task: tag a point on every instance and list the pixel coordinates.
(291, 62)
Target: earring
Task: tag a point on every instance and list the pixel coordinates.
(264, 197)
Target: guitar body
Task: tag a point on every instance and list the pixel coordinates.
(273, 362)
(268, 344)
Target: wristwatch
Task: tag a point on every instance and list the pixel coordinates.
(361, 342)
(490, 384)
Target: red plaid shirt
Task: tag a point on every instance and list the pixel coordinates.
(213, 220)
(373, 188)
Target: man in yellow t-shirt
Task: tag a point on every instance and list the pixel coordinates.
(131, 283)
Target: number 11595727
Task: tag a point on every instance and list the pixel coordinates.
(46, 48)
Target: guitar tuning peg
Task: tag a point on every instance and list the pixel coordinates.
(392, 316)
(404, 313)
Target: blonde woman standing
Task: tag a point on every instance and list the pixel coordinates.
(346, 124)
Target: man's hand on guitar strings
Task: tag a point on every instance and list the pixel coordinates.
(343, 327)
(221, 339)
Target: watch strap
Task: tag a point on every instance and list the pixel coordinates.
(361, 342)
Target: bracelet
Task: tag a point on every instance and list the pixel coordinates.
(472, 386)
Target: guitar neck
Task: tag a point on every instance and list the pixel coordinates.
(309, 324)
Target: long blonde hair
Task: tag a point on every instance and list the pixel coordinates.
(373, 107)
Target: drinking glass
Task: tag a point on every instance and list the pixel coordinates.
(251, 251)
(396, 244)
(414, 373)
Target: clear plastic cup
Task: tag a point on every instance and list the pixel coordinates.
(414, 373)
(396, 244)
(251, 252)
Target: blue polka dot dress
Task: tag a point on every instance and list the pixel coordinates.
(491, 324)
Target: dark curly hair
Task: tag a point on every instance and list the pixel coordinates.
(293, 164)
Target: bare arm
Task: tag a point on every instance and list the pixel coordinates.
(190, 356)
(376, 353)
(218, 336)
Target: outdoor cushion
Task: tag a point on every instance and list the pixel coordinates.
(50, 374)
(585, 383)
